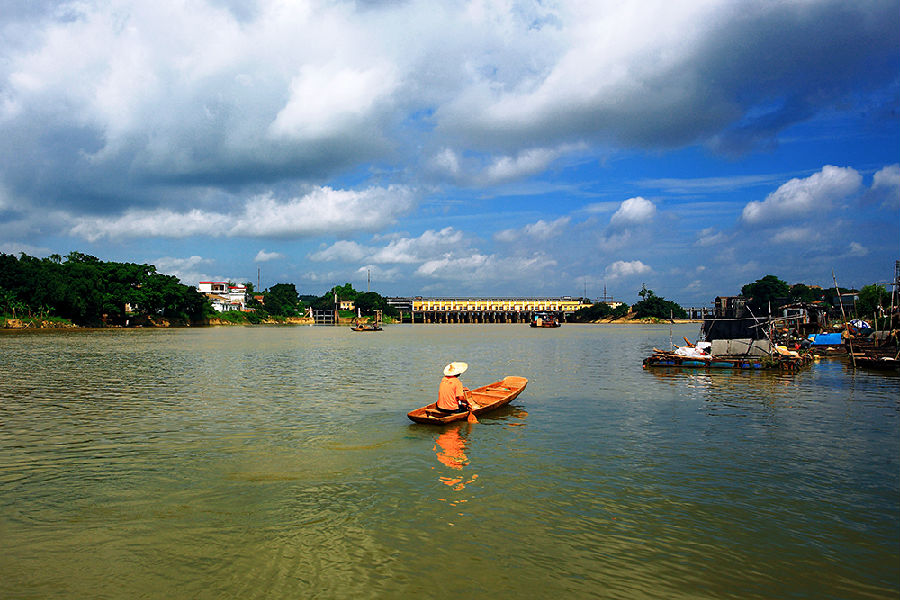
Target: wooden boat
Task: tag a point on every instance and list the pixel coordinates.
(884, 363)
(488, 397)
(366, 327)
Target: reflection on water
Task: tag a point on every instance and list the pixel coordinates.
(278, 462)
(450, 449)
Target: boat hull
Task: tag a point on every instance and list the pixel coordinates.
(488, 397)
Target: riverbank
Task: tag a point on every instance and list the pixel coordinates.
(35, 324)
(645, 321)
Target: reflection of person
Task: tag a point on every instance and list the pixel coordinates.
(451, 393)
(453, 447)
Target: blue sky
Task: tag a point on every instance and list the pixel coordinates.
(457, 148)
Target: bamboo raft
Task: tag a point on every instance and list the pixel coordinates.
(784, 361)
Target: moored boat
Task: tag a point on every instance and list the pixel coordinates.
(544, 320)
(882, 363)
(487, 398)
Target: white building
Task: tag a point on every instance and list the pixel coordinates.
(224, 297)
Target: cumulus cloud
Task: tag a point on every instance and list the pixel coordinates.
(189, 271)
(399, 250)
(322, 210)
(263, 256)
(110, 94)
(539, 230)
(622, 268)
(672, 73)
(634, 211)
(413, 250)
(799, 198)
(484, 268)
(326, 99)
(342, 250)
(710, 236)
(886, 186)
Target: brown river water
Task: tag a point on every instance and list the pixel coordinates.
(278, 462)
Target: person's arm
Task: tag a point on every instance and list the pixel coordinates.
(472, 404)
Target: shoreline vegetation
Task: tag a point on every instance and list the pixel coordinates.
(82, 291)
(30, 323)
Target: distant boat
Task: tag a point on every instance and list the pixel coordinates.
(544, 320)
(359, 325)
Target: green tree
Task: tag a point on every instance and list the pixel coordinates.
(653, 306)
(800, 292)
(282, 300)
(369, 302)
(600, 310)
(766, 292)
(871, 297)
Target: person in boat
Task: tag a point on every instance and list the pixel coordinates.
(452, 396)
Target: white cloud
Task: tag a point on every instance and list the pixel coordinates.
(622, 268)
(379, 274)
(446, 162)
(413, 250)
(525, 163)
(326, 99)
(263, 256)
(634, 211)
(857, 249)
(189, 270)
(485, 268)
(710, 236)
(602, 207)
(322, 210)
(342, 250)
(16, 248)
(400, 250)
(802, 197)
(886, 186)
(540, 230)
(793, 235)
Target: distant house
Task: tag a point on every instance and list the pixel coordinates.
(224, 296)
(847, 300)
(347, 305)
(730, 307)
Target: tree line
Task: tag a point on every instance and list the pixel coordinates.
(90, 292)
(764, 294)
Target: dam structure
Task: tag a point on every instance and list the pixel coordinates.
(484, 310)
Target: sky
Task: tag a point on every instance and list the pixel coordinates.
(457, 148)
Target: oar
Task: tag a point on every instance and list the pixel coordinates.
(471, 418)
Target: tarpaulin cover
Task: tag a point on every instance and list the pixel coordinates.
(826, 339)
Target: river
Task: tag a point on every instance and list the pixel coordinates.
(278, 462)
